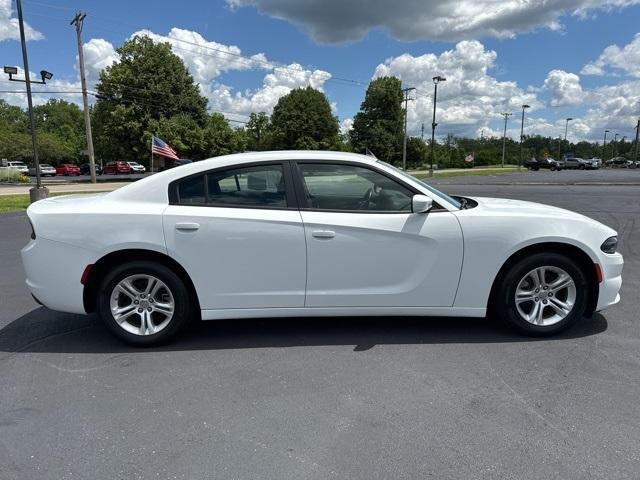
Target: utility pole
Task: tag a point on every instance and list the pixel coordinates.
(635, 156)
(506, 115)
(78, 21)
(422, 138)
(604, 146)
(404, 143)
(522, 135)
(437, 79)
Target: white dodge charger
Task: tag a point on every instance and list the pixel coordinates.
(303, 233)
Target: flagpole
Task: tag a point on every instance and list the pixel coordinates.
(151, 153)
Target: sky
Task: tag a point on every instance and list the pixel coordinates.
(563, 58)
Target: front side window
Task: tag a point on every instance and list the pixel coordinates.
(352, 188)
(260, 186)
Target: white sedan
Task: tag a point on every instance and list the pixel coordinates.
(275, 234)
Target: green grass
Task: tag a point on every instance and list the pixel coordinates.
(20, 202)
(468, 173)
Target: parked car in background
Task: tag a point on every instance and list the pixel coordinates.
(579, 163)
(136, 167)
(67, 169)
(46, 170)
(85, 169)
(272, 234)
(544, 163)
(620, 162)
(116, 168)
(168, 163)
(19, 166)
(596, 161)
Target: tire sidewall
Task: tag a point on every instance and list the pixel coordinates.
(506, 299)
(182, 310)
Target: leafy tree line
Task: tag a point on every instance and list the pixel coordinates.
(149, 91)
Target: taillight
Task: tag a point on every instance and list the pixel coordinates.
(33, 232)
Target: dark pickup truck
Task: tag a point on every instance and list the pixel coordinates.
(549, 163)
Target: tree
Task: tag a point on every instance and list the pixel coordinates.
(379, 125)
(417, 153)
(258, 132)
(146, 88)
(220, 138)
(65, 122)
(302, 120)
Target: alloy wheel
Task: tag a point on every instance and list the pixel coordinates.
(142, 304)
(545, 296)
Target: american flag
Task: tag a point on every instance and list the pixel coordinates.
(469, 158)
(160, 147)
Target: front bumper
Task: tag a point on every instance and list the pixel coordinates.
(609, 294)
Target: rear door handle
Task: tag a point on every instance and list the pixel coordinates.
(323, 234)
(187, 226)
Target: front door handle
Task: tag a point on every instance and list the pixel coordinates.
(323, 234)
(187, 226)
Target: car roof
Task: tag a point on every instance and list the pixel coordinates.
(153, 188)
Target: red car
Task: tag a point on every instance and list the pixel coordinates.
(116, 168)
(67, 169)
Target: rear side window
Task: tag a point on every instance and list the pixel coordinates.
(259, 186)
(191, 191)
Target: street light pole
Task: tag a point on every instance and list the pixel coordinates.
(437, 79)
(613, 147)
(504, 135)
(566, 127)
(78, 21)
(38, 192)
(404, 142)
(604, 146)
(522, 135)
(635, 156)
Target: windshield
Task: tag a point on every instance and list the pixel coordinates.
(404, 174)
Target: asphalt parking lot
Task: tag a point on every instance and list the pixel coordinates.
(363, 398)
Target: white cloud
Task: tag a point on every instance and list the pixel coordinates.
(206, 60)
(468, 100)
(626, 59)
(9, 29)
(346, 125)
(275, 85)
(98, 54)
(333, 21)
(564, 87)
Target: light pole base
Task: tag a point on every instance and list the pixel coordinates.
(38, 193)
(431, 172)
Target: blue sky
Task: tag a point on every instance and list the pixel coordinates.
(556, 60)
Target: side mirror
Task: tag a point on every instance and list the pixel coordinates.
(421, 204)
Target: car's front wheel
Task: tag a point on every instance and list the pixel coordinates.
(144, 303)
(542, 294)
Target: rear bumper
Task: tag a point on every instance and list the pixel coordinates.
(53, 272)
(611, 266)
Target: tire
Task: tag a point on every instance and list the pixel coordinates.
(170, 290)
(553, 169)
(520, 278)
(581, 167)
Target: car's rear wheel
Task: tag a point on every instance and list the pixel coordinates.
(581, 167)
(542, 294)
(144, 303)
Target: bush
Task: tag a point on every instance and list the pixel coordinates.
(11, 175)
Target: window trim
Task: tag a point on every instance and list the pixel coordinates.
(304, 205)
(290, 197)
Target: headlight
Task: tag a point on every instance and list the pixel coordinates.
(610, 245)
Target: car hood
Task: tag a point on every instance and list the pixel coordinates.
(510, 207)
